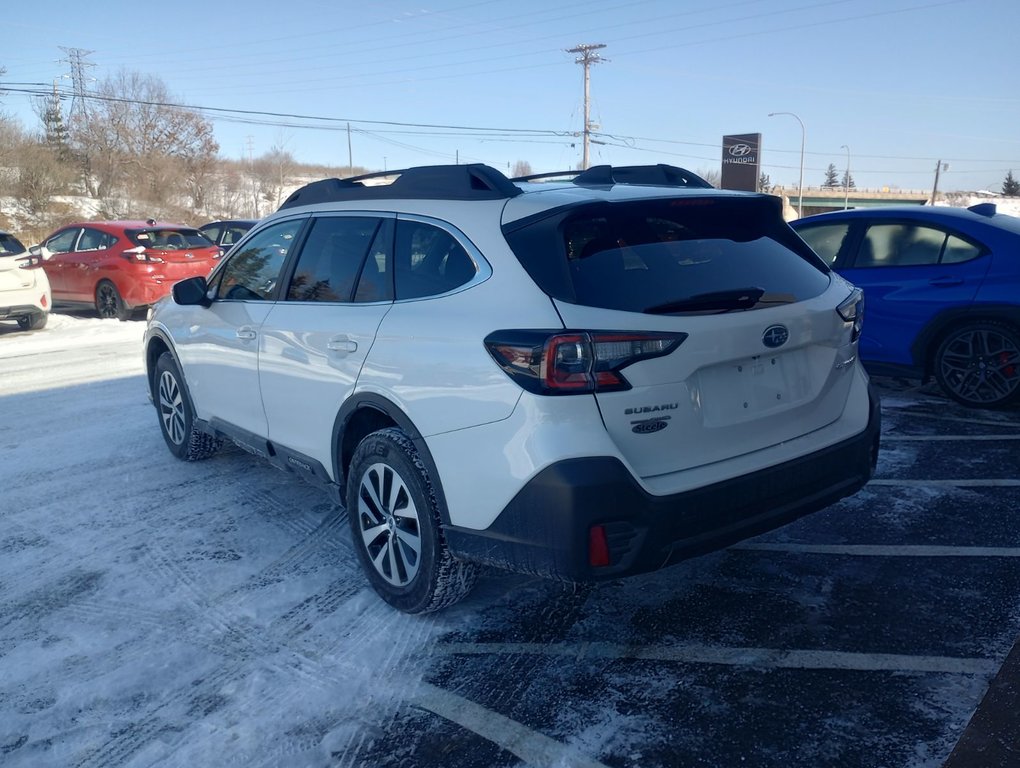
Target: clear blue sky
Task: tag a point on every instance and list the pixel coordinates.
(902, 83)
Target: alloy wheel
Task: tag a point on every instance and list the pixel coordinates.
(980, 365)
(108, 303)
(389, 525)
(171, 408)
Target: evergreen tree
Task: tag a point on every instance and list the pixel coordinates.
(831, 177)
(765, 184)
(1011, 187)
(55, 133)
(847, 185)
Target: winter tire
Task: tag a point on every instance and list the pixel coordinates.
(396, 528)
(978, 364)
(176, 415)
(109, 303)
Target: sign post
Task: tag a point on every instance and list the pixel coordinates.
(741, 161)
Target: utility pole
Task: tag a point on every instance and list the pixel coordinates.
(350, 154)
(587, 54)
(935, 189)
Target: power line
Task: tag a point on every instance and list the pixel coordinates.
(523, 135)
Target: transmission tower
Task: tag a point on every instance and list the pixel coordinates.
(587, 54)
(76, 61)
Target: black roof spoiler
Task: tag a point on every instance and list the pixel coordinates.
(430, 182)
(606, 175)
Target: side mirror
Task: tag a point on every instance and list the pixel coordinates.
(39, 252)
(191, 292)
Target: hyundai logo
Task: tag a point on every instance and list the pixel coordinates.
(775, 336)
(740, 150)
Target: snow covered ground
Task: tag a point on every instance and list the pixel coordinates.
(152, 611)
(160, 613)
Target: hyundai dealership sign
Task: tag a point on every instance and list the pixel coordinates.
(741, 161)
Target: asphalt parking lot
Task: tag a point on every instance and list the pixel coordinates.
(154, 613)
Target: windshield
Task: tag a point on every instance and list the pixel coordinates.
(10, 245)
(682, 256)
(169, 238)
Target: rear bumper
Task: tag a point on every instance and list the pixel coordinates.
(20, 310)
(545, 528)
(148, 287)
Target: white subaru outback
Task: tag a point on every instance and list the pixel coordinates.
(583, 378)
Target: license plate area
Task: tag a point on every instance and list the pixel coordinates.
(750, 388)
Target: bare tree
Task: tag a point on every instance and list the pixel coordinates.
(712, 176)
(270, 173)
(133, 138)
(42, 174)
(522, 168)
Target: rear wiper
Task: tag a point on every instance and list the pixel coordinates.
(725, 301)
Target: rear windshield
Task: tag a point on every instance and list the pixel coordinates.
(169, 238)
(9, 245)
(670, 256)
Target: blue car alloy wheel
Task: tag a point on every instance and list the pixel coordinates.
(978, 364)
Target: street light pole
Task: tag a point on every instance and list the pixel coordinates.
(846, 180)
(803, 138)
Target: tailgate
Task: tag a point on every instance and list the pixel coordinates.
(724, 392)
(13, 278)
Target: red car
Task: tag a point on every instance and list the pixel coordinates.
(117, 267)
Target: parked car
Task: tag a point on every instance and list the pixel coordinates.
(117, 267)
(227, 232)
(24, 289)
(581, 379)
(942, 289)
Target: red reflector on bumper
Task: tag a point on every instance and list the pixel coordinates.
(598, 547)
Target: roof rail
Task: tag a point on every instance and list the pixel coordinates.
(429, 182)
(607, 175)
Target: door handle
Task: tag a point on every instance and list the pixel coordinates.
(945, 281)
(246, 333)
(342, 344)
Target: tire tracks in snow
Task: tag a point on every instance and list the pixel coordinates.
(215, 622)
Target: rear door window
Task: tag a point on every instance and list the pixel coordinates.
(95, 240)
(332, 258)
(906, 244)
(900, 245)
(670, 256)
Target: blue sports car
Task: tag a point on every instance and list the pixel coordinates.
(941, 289)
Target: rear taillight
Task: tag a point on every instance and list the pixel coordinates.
(852, 311)
(575, 362)
(139, 253)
